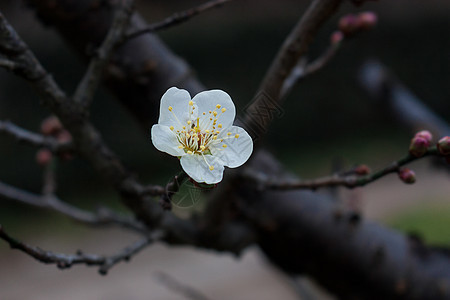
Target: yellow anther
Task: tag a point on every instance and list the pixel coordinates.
(229, 133)
(184, 127)
(211, 168)
(224, 145)
(204, 113)
(215, 113)
(215, 137)
(207, 131)
(224, 109)
(217, 132)
(189, 122)
(180, 147)
(202, 147)
(210, 119)
(191, 103)
(209, 111)
(220, 125)
(218, 106)
(193, 107)
(171, 127)
(170, 108)
(236, 136)
(189, 152)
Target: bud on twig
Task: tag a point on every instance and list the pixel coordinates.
(348, 24)
(407, 175)
(425, 134)
(336, 37)
(419, 146)
(43, 157)
(362, 170)
(444, 145)
(51, 126)
(367, 20)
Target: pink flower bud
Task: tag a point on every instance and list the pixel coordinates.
(367, 20)
(425, 134)
(51, 126)
(348, 24)
(336, 37)
(64, 136)
(407, 175)
(444, 145)
(43, 157)
(362, 170)
(419, 146)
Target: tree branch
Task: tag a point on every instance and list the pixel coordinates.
(177, 18)
(351, 181)
(294, 47)
(34, 139)
(102, 217)
(88, 85)
(65, 261)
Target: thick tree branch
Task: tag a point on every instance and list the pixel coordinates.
(177, 18)
(65, 261)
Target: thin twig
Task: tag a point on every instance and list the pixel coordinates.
(351, 181)
(64, 261)
(34, 139)
(102, 217)
(303, 70)
(177, 18)
(174, 285)
(84, 93)
(171, 189)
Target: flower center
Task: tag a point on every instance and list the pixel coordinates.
(194, 140)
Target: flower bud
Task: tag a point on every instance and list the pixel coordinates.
(348, 24)
(425, 134)
(444, 145)
(419, 146)
(43, 157)
(367, 20)
(51, 126)
(407, 175)
(336, 37)
(362, 170)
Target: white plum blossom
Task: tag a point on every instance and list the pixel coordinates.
(200, 132)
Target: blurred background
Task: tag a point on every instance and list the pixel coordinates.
(329, 119)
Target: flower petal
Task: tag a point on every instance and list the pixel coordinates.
(196, 167)
(237, 150)
(179, 101)
(165, 140)
(208, 100)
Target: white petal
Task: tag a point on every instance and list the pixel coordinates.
(165, 140)
(196, 167)
(179, 101)
(208, 100)
(238, 150)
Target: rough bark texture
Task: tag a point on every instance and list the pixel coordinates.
(301, 232)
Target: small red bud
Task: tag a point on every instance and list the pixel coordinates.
(51, 126)
(348, 24)
(425, 134)
(407, 175)
(43, 157)
(336, 37)
(444, 145)
(367, 20)
(64, 136)
(362, 170)
(419, 146)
